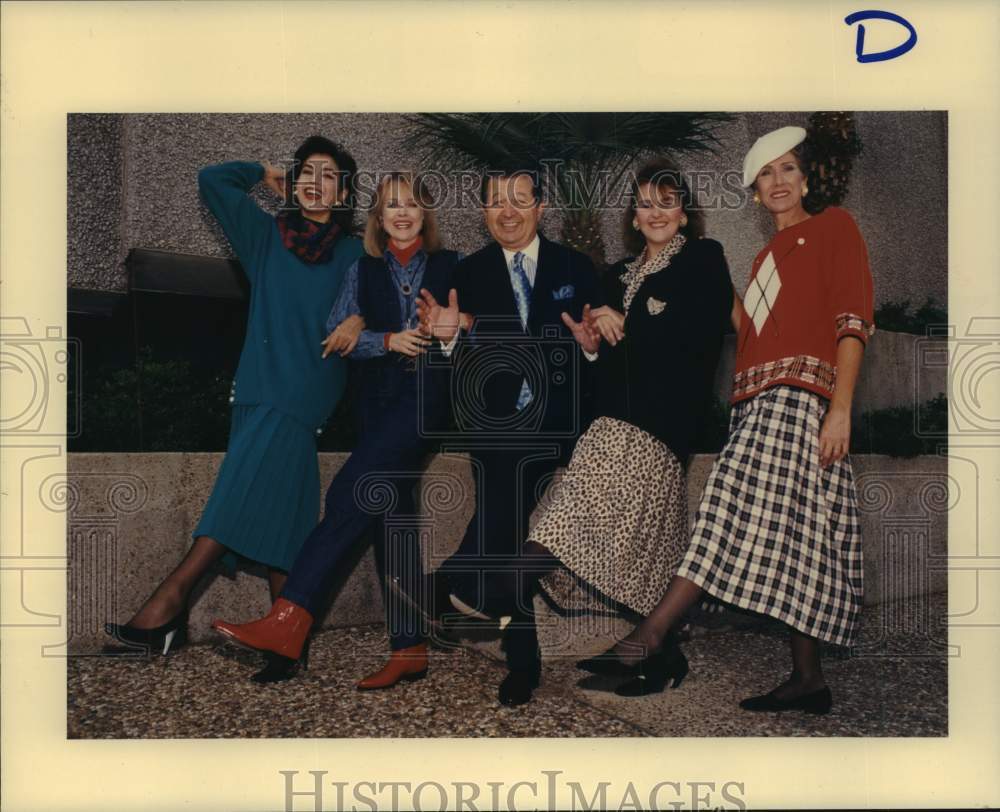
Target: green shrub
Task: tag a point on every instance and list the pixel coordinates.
(168, 405)
(894, 431)
(882, 431)
(154, 405)
(162, 405)
(896, 316)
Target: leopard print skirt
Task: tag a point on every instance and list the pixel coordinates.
(616, 520)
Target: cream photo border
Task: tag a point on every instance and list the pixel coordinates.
(413, 56)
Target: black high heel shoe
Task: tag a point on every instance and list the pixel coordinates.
(608, 665)
(171, 636)
(669, 666)
(818, 702)
(278, 668)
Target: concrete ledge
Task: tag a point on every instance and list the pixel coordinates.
(129, 518)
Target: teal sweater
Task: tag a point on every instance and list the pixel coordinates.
(281, 364)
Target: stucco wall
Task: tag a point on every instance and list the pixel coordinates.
(132, 183)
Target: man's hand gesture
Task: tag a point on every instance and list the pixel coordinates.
(435, 320)
(585, 332)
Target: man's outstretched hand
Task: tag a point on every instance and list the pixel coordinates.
(436, 320)
(585, 331)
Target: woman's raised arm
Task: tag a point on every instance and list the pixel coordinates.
(224, 189)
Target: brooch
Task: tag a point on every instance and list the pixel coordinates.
(655, 306)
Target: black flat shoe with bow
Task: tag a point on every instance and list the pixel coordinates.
(817, 702)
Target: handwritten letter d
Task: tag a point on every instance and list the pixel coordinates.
(880, 56)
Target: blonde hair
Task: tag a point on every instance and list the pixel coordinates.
(376, 238)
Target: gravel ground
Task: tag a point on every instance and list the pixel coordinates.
(894, 684)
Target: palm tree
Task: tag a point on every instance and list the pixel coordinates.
(584, 155)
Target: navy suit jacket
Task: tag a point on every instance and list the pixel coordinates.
(498, 354)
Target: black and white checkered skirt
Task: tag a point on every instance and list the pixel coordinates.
(775, 533)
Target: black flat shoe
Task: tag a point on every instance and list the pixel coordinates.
(278, 668)
(818, 702)
(517, 687)
(171, 636)
(655, 673)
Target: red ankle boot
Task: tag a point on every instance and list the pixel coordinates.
(406, 664)
(283, 631)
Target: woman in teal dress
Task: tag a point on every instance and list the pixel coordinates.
(266, 496)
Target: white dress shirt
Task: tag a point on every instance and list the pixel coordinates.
(530, 251)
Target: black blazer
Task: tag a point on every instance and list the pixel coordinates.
(660, 376)
(494, 358)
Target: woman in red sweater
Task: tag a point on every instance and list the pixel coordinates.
(777, 530)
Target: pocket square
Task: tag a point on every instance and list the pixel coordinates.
(565, 292)
(655, 306)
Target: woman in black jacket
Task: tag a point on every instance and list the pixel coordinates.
(618, 519)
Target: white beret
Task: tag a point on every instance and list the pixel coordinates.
(768, 147)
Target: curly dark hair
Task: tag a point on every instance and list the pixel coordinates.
(318, 145)
(664, 174)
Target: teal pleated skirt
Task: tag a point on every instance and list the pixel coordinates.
(266, 496)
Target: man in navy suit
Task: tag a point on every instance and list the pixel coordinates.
(516, 398)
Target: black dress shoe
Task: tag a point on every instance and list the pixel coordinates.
(818, 702)
(438, 604)
(517, 687)
(468, 609)
(654, 673)
(434, 605)
(606, 683)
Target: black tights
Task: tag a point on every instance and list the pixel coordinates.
(171, 596)
(650, 634)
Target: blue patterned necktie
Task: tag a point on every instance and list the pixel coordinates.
(522, 296)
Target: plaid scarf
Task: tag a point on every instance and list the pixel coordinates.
(641, 267)
(310, 241)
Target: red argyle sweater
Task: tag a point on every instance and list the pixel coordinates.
(810, 286)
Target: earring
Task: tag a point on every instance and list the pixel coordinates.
(684, 221)
(635, 224)
(805, 190)
(756, 198)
